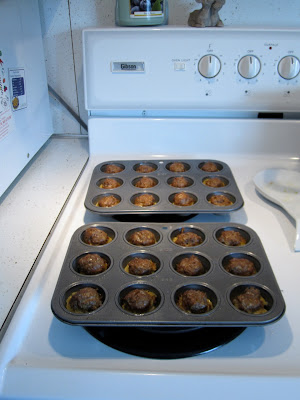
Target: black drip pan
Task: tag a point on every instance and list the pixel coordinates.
(165, 343)
(153, 218)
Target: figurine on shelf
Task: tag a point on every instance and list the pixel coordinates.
(208, 15)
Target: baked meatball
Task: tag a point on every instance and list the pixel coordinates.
(108, 201)
(241, 267)
(91, 264)
(139, 301)
(144, 200)
(95, 237)
(84, 300)
(232, 238)
(143, 237)
(113, 169)
(220, 200)
(190, 266)
(250, 301)
(177, 167)
(214, 182)
(145, 182)
(109, 183)
(140, 266)
(179, 182)
(145, 169)
(209, 166)
(183, 199)
(194, 301)
(187, 239)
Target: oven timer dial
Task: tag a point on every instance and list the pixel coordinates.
(249, 67)
(289, 67)
(209, 66)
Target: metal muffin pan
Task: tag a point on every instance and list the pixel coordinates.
(162, 192)
(166, 283)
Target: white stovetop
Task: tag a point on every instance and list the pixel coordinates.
(48, 359)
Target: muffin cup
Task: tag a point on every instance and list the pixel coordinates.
(140, 286)
(265, 292)
(75, 287)
(110, 233)
(241, 255)
(144, 255)
(206, 263)
(75, 268)
(202, 287)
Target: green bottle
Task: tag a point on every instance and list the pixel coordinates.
(141, 12)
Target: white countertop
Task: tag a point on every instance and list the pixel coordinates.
(29, 208)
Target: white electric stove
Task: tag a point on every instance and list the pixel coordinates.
(156, 94)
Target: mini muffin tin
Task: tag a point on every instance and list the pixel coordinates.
(166, 283)
(162, 192)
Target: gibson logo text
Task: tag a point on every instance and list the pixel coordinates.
(128, 66)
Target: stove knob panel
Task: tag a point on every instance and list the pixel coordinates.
(209, 66)
(249, 67)
(289, 67)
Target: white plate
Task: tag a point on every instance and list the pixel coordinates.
(282, 187)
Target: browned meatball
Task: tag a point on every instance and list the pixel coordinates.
(177, 167)
(195, 302)
(187, 239)
(139, 301)
(141, 266)
(95, 237)
(190, 266)
(84, 300)
(91, 264)
(143, 237)
(214, 182)
(113, 169)
(250, 301)
(231, 238)
(145, 169)
(220, 200)
(183, 199)
(179, 182)
(145, 182)
(108, 201)
(241, 267)
(209, 167)
(109, 183)
(144, 200)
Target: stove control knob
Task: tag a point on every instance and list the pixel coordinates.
(289, 67)
(209, 66)
(249, 67)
